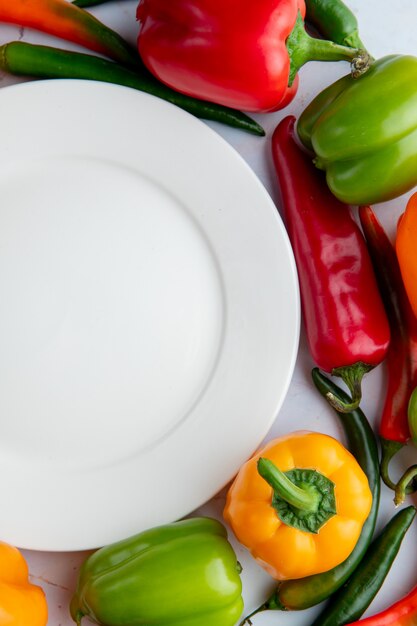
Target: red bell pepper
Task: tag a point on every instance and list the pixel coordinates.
(65, 20)
(402, 613)
(402, 353)
(344, 317)
(244, 54)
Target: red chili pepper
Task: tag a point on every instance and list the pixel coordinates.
(344, 317)
(402, 353)
(244, 54)
(402, 613)
(65, 20)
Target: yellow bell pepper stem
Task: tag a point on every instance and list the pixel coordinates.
(305, 499)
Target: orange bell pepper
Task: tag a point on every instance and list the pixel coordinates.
(21, 603)
(406, 249)
(299, 505)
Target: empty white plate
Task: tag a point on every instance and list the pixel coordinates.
(149, 313)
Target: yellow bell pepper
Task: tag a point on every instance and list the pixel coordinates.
(21, 603)
(299, 504)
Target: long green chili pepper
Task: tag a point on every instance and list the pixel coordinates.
(24, 59)
(334, 21)
(352, 600)
(306, 592)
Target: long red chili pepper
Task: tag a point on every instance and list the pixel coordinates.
(344, 317)
(402, 613)
(402, 353)
(65, 20)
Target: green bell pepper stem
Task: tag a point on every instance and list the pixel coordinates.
(303, 499)
(303, 48)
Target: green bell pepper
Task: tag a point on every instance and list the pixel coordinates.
(363, 132)
(180, 574)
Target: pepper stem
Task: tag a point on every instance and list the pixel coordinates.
(303, 48)
(403, 486)
(247, 620)
(352, 377)
(389, 449)
(303, 499)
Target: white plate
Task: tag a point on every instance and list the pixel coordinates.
(150, 315)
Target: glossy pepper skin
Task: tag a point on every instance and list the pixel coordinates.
(364, 132)
(401, 362)
(406, 249)
(21, 603)
(238, 53)
(181, 574)
(285, 551)
(344, 317)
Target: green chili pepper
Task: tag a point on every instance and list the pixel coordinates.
(335, 21)
(352, 600)
(364, 132)
(303, 593)
(181, 574)
(25, 59)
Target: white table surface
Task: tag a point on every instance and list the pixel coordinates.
(386, 27)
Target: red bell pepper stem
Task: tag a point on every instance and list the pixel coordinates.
(303, 48)
(402, 613)
(65, 20)
(402, 353)
(344, 317)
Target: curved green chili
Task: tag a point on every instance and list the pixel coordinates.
(335, 21)
(25, 59)
(352, 600)
(306, 592)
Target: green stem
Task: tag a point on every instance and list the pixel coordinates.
(403, 486)
(303, 48)
(406, 485)
(284, 488)
(352, 377)
(247, 620)
(389, 449)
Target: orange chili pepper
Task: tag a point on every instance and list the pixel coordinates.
(65, 20)
(21, 603)
(406, 249)
(309, 523)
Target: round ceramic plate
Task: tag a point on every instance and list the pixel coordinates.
(150, 315)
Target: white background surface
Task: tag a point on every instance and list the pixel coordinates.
(386, 27)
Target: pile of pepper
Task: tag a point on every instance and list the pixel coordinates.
(304, 505)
